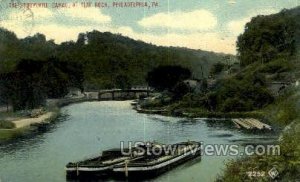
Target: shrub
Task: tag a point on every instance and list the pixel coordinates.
(180, 90)
(166, 77)
(236, 104)
(276, 66)
(217, 68)
(6, 125)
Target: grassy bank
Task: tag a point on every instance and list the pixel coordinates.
(283, 112)
(10, 134)
(8, 130)
(6, 119)
(7, 125)
(287, 163)
(178, 109)
(193, 113)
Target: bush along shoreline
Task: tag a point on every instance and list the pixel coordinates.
(264, 85)
(26, 124)
(282, 114)
(23, 126)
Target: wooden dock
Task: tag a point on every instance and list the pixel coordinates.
(250, 123)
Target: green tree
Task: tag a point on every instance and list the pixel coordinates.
(217, 68)
(267, 38)
(166, 77)
(179, 90)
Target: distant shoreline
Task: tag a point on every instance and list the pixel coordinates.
(23, 125)
(24, 122)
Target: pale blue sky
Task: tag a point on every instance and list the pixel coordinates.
(211, 25)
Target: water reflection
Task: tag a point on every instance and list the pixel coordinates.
(31, 139)
(88, 128)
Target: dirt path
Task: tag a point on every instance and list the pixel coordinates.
(28, 121)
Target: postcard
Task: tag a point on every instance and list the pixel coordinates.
(149, 90)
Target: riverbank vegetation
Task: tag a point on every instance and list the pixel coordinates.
(166, 77)
(287, 163)
(32, 82)
(33, 69)
(264, 83)
(6, 125)
(257, 84)
(265, 86)
(20, 124)
(6, 135)
(278, 49)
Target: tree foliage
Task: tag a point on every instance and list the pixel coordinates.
(217, 68)
(179, 90)
(105, 57)
(166, 77)
(34, 81)
(269, 37)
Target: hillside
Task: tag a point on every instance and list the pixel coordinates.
(269, 38)
(278, 38)
(109, 60)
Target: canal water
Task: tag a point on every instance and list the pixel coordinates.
(88, 128)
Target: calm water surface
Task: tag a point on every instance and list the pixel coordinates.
(88, 128)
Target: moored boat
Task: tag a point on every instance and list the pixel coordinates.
(158, 159)
(99, 166)
(145, 160)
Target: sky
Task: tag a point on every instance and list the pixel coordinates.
(211, 25)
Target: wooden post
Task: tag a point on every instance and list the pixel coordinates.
(148, 90)
(77, 172)
(126, 168)
(113, 95)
